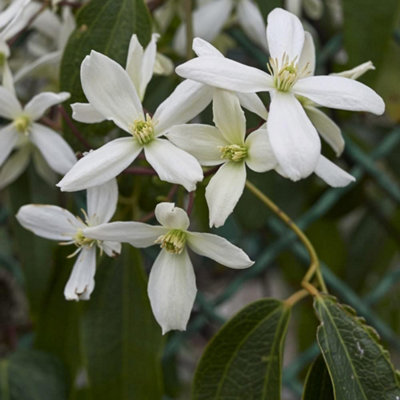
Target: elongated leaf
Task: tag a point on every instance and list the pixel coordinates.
(105, 26)
(121, 340)
(318, 385)
(359, 366)
(244, 359)
(32, 375)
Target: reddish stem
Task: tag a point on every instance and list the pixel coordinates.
(139, 171)
(190, 203)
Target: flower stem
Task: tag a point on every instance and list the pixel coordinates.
(296, 297)
(314, 268)
(189, 28)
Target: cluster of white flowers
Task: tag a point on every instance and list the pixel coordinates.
(286, 141)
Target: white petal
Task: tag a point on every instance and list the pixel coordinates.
(341, 93)
(43, 101)
(85, 112)
(171, 217)
(326, 128)
(218, 249)
(42, 168)
(8, 139)
(173, 164)
(172, 290)
(163, 65)
(8, 14)
(137, 234)
(293, 138)
(134, 62)
(251, 102)
(14, 166)
(9, 105)
(80, 284)
(307, 57)
(228, 116)
(252, 22)
(260, 157)
(285, 34)
(8, 80)
(110, 90)
(294, 6)
(101, 165)
(224, 191)
(201, 141)
(332, 174)
(147, 67)
(357, 71)
(313, 8)
(202, 48)
(50, 222)
(208, 21)
(226, 74)
(112, 249)
(102, 202)
(67, 27)
(187, 101)
(55, 150)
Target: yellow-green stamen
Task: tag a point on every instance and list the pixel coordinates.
(143, 131)
(173, 241)
(22, 124)
(233, 152)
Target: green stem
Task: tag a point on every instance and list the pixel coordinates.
(189, 28)
(314, 261)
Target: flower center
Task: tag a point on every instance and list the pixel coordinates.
(22, 124)
(80, 240)
(143, 131)
(2, 59)
(173, 241)
(233, 152)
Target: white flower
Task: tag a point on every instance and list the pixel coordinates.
(56, 223)
(293, 138)
(27, 136)
(209, 19)
(172, 284)
(225, 144)
(110, 90)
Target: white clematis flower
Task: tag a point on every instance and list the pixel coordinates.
(293, 138)
(29, 137)
(172, 285)
(226, 145)
(209, 19)
(56, 223)
(110, 91)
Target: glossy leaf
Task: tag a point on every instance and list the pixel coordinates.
(318, 385)
(121, 341)
(244, 359)
(359, 366)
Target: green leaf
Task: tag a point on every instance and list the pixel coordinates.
(105, 26)
(121, 340)
(359, 366)
(267, 6)
(244, 359)
(318, 385)
(32, 375)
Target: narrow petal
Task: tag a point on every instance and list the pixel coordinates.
(293, 138)
(110, 90)
(172, 290)
(332, 174)
(173, 164)
(137, 234)
(202, 48)
(226, 74)
(326, 128)
(285, 34)
(112, 249)
(9, 105)
(8, 80)
(8, 14)
(147, 67)
(134, 62)
(55, 150)
(228, 116)
(260, 157)
(314, 8)
(101, 165)
(80, 284)
(85, 112)
(43, 101)
(251, 102)
(338, 92)
(307, 57)
(187, 101)
(224, 191)
(201, 141)
(14, 166)
(218, 249)
(50, 222)
(293, 6)
(102, 202)
(171, 217)
(357, 71)
(8, 139)
(252, 22)
(163, 65)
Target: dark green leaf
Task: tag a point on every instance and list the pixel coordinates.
(32, 375)
(267, 6)
(121, 340)
(359, 366)
(244, 359)
(318, 385)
